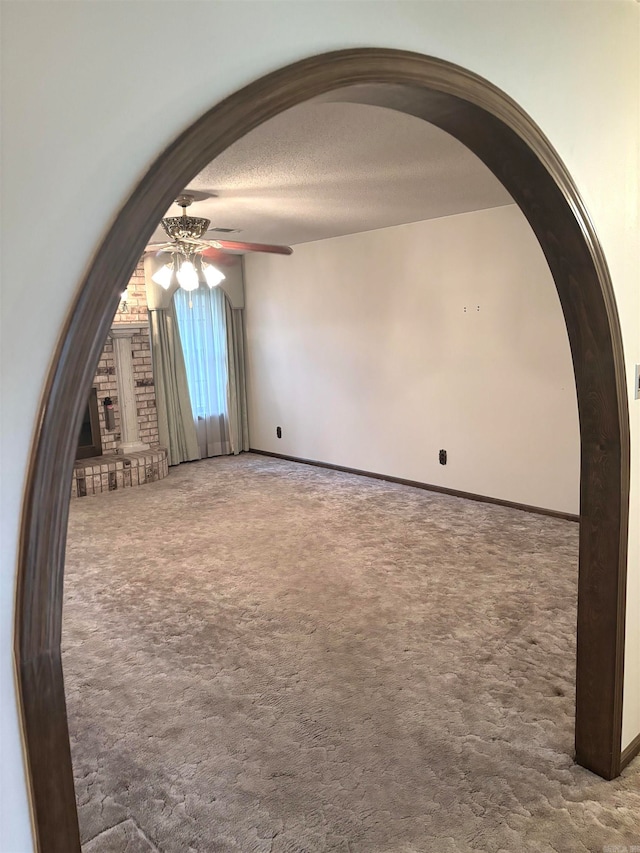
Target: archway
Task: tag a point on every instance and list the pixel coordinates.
(501, 134)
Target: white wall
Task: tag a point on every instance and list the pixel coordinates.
(89, 102)
(370, 352)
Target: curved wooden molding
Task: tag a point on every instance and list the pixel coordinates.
(513, 147)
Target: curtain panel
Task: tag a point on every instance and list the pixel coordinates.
(176, 429)
(238, 420)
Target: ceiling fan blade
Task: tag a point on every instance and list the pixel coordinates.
(159, 247)
(234, 246)
(220, 257)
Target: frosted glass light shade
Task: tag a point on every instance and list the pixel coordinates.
(163, 276)
(187, 276)
(212, 275)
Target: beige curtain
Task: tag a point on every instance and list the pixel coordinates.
(175, 419)
(176, 429)
(237, 387)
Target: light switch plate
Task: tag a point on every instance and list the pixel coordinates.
(637, 385)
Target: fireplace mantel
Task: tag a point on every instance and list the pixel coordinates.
(127, 330)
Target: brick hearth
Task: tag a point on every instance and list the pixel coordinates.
(110, 472)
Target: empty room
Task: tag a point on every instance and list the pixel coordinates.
(321, 576)
(320, 426)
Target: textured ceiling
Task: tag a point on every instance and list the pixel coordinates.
(327, 169)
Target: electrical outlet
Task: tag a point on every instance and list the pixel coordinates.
(442, 456)
(279, 432)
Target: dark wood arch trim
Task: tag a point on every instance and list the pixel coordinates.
(505, 138)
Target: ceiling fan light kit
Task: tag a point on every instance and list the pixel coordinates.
(189, 273)
(186, 246)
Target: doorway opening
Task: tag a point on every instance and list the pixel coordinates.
(505, 139)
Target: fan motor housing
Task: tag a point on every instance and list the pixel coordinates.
(185, 227)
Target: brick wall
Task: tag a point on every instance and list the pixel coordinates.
(133, 311)
(105, 383)
(145, 389)
(136, 306)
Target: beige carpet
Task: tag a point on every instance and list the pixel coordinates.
(263, 656)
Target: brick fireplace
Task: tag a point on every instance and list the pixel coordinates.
(125, 452)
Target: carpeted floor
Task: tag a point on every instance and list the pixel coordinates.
(263, 656)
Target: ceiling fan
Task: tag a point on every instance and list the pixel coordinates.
(189, 249)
